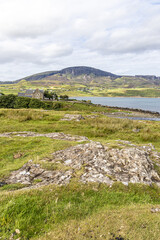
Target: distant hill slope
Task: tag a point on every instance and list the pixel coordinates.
(73, 71)
(89, 77)
(76, 71)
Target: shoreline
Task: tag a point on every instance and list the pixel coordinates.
(136, 110)
(112, 96)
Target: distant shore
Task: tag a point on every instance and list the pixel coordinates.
(135, 110)
(141, 105)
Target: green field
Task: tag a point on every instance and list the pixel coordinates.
(76, 211)
(77, 89)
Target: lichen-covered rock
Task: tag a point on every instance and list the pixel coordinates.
(93, 162)
(102, 164)
(30, 172)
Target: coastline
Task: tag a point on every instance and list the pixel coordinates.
(134, 112)
(143, 105)
(157, 114)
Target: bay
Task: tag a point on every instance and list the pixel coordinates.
(147, 104)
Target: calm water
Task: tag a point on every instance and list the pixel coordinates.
(150, 104)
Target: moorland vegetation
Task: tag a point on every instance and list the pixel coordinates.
(75, 211)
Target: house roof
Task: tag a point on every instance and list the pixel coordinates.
(24, 95)
(29, 91)
(21, 94)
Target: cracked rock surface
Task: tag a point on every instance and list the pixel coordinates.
(93, 162)
(31, 172)
(101, 164)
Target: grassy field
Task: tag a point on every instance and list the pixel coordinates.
(76, 89)
(76, 211)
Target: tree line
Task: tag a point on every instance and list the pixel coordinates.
(13, 101)
(54, 96)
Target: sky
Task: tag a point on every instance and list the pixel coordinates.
(118, 36)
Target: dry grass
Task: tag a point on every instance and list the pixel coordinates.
(131, 222)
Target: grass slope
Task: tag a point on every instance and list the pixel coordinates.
(88, 86)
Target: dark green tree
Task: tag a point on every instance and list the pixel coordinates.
(22, 102)
(55, 96)
(64, 97)
(47, 94)
(7, 101)
(36, 103)
(50, 95)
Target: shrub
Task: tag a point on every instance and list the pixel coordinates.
(64, 97)
(36, 103)
(57, 105)
(22, 102)
(48, 105)
(7, 101)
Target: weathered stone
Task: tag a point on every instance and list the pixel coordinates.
(54, 135)
(70, 117)
(30, 172)
(155, 210)
(93, 162)
(102, 164)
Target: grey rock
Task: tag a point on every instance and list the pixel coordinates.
(70, 117)
(93, 162)
(54, 135)
(132, 164)
(155, 210)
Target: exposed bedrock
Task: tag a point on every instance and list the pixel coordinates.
(93, 162)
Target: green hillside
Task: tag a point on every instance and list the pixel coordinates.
(85, 81)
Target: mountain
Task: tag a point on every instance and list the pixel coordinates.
(88, 73)
(82, 80)
(73, 71)
(76, 71)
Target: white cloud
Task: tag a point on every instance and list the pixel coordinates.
(121, 36)
(25, 51)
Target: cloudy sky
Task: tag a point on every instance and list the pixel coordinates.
(119, 36)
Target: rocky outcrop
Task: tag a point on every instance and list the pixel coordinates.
(105, 165)
(54, 135)
(76, 117)
(70, 117)
(33, 173)
(93, 162)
